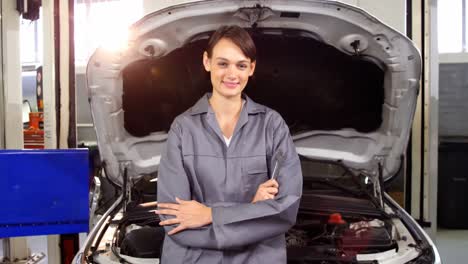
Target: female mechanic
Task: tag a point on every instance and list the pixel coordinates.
(230, 179)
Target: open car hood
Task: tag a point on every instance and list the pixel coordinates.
(345, 82)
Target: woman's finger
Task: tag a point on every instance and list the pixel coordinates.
(272, 190)
(168, 206)
(176, 230)
(275, 183)
(269, 183)
(180, 201)
(169, 222)
(166, 212)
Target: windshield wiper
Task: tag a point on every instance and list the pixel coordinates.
(355, 178)
(356, 193)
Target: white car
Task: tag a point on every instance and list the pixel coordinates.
(345, 83)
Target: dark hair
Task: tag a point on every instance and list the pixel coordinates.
(238, 36)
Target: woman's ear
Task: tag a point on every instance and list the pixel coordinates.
(252, 68)
(206, 61)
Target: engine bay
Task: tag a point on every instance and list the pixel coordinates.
(338, 221)
(336, 238)
(335, 224)
(317, 236)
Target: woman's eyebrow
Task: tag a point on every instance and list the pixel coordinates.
(224, 59)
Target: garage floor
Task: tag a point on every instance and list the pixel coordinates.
(452, 245)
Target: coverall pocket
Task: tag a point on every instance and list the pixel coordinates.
(255, 171)
(255, 165)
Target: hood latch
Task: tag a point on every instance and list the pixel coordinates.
(253, 15)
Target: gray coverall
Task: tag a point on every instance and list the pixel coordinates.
(198, 165)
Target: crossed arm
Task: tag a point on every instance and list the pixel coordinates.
(272, 211)
(192, 214)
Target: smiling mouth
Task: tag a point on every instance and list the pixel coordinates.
(230, 84)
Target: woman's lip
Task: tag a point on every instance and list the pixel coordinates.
(230, 84)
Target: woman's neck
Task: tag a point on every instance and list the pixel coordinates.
(225, 107)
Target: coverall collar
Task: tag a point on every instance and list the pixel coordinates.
(203, 106)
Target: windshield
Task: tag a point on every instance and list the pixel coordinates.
(333, 177)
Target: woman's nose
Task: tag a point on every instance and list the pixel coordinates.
(231, 72)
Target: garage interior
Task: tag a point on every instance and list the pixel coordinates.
(56, 42)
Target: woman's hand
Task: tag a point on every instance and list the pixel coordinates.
(188, 215)
(266, 190)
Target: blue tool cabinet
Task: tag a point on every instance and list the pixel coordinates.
(43, 192)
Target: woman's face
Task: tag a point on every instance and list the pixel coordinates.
(229, 68)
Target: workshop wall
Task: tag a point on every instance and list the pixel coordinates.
(453, 98)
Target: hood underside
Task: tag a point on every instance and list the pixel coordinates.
(335, 96)
(345, 83)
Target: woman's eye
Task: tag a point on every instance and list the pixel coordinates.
(222, 64)
(242, 66)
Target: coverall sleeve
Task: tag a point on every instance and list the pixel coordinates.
(244, 224)
(173, 182)
(239, 225)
